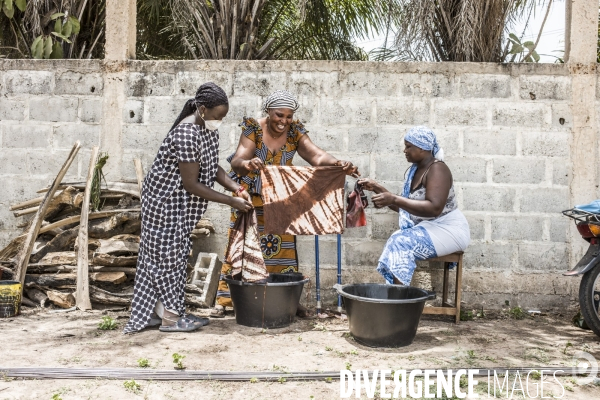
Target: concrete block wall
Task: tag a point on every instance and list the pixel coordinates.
(505, 129)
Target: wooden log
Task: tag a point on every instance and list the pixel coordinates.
(47, 269)
(109, 277)
(116, 187)
(104, 297)
(118, 247)
(205, 223)
(139, 174)
(50, 280)
(29, 303)
(30, 203)
(6, 270)
(60, 242)
(95, 215)
(82, 294)
(59, 258)
(63, 300)
(108, 260)
(37, 296)
(68, 197)
(125, 222)
(193, 300)
(22, 257)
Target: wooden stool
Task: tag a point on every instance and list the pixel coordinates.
(448, 308)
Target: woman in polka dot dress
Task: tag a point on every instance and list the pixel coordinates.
(175, 194)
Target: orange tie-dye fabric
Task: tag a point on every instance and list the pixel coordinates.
(303, 200)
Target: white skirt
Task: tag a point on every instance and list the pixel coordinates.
(449, 233)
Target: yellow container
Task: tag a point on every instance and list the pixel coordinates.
(10, 298)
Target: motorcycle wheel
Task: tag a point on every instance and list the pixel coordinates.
(589, 298)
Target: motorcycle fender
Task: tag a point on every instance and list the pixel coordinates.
(589, 261)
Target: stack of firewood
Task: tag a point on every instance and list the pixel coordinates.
(113, 237)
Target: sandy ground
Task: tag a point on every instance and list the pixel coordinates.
(43, 339)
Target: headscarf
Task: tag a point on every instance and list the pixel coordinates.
(208, 95)
(424, 138)
(281, 99)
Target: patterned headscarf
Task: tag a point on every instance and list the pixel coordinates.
(424, 138)
(281, 99)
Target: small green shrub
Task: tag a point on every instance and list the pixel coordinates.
(143, 363)
(178, 361)
(132, 386)
(517, 313)
(107, 324)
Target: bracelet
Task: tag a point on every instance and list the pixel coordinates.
(240, 190)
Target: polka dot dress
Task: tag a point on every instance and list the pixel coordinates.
(169, 213)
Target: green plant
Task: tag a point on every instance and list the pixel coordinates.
(517, 313)
(329, 380)
(65, 26)
(253, 380)
(525, 49)
(8, 6)
(107, 324)
(569, 344)
(536, 375)
(97, 181)
(143, 363)
(354, 352)
(348, 366)
(471, 354)
(328, 348)
(56, 396)
(178, 361)
(132, 386)
(299, 338)
(281, 379)
(466, 315)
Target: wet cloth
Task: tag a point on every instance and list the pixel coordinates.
(243, 250)
(303, 200)
(169, 213)
(356, 203)
(421, 238)
(279, 251)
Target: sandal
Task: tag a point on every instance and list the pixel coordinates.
(218, 312)
(155, 320)
(204, 321)
(183, 324)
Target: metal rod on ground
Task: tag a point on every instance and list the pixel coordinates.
(339, 269)
(317, 278)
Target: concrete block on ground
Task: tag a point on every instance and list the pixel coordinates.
(65, 135)
(519, 114)
(54, 109)
(543, 257)
(488, 198)
(29, 82)
(467, 169)
(26, 136)
(546, 144)
(484, 86)
(546, 87)
(489, 255)
(150, 84)
(519, 170)
(460, 113)
(70, 82)
(490, 142)
(545, 201)
(133, 112)
(517, 228)
(12, 110)
(205, 275)
(402, 112)
(90, 110)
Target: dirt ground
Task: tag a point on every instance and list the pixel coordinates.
(43, 339)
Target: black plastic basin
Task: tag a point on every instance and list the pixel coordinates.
(383, 315)
(267, 305)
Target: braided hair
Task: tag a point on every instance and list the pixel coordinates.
(208, 95)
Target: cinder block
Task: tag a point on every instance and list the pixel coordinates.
(26, 136)
(362, 161)
(206, 273)
(144, 137)
(476, 226)
(313, 84)
(44, 163)
(150, 84)
(543, 256)
(402, 112)
(163, 110)
(438, 85)
(519, 114)
(546, 144)
(55, 109)
(545, 201)
(467, 169)
(16, 190)
(449, 140)
(188, 82)
(77, 83)
(133, 112)
(328, 138)
(561, 172)
(559, 226)
(12, 162)
(460, 113)
(65, 135)
(546, 87)
(517, 228)
(356, 112)
(374, 140)
(29, 82)
(484, 86)
(490, 142)
(477, 198)
(380, 84)
(390, 167)
(364, 253)
(12, 110)
(306, 250)
(250, 83)
(383, 225)
(490, 255)
(562, 116)
(90, 110)
(519, 170)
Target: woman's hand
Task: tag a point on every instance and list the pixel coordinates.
(350, 168)
(253, 164)
(370, 185)
(383, 199)
(240, 204)
(244, 195)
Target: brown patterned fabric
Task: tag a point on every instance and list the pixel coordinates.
(303, 200)
(243, 250)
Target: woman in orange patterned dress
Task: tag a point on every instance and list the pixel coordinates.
(273, 140)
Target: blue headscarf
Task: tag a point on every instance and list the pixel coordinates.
(423, 138)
